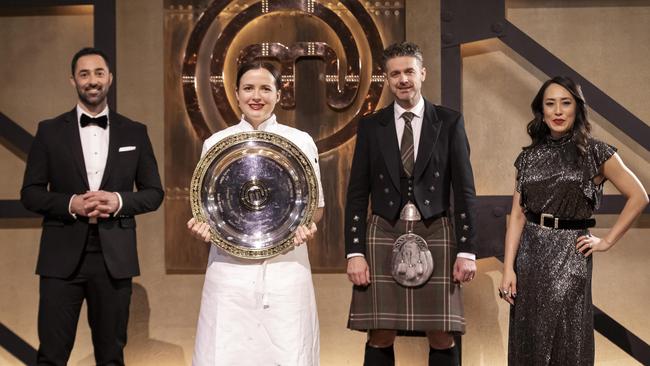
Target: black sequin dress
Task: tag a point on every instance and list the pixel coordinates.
(551, 322)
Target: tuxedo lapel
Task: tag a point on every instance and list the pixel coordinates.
(387, 137)
(428, 138)
(74, 145)
(114, 123)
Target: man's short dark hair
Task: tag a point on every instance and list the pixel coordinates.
(85, 52)
(402, 49)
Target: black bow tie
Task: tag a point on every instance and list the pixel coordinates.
(101, 121)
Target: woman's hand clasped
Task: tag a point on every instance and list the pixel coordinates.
(508, 289)
(588, 244)
(304, 233)
(199, 230)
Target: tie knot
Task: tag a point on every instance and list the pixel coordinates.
(408, 117)
(101, 121)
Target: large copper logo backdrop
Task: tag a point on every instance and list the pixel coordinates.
(329, 53)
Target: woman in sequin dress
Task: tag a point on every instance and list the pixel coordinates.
(548, 263)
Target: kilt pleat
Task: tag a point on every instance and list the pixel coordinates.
(385, 304)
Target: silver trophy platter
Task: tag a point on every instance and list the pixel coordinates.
(254, 189)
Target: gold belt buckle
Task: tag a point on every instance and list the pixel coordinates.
(545, 215)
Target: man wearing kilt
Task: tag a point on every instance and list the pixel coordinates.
(409, 158)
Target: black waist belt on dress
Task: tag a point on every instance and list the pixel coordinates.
(551, 221)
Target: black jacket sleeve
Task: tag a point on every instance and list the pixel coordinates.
(462, 180)
(34, 194)
(356, 207)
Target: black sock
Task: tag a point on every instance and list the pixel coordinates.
(375, 356)
(444, 357)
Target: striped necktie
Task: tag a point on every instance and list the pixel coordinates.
(406, 148)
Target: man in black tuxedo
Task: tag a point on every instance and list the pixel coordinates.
(80, 174)
(408, 159)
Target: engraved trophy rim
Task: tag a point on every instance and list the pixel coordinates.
(238, 146)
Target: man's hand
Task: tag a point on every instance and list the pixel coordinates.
(100, 203)
(199, 230)
(78, 206)
(358, 271)
(464, 269)
(304, 233)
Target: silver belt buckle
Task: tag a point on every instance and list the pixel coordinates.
(545, 215)
(410, 213)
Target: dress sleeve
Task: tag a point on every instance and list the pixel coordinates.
(519, 165)
(598, 153)
(602, 152)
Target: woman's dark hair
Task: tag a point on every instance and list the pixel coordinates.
(255, 65)
(538, 130)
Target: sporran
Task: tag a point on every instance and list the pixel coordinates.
(411, 263)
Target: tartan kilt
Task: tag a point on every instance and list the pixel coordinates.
(384, 304)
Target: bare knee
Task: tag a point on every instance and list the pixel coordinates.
(381, 338)
(440, 340)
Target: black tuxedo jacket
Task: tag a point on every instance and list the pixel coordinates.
(442, 164)
(56, 170)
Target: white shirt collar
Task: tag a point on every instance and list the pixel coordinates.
(418, 109)
(246, 126)
(81, 110)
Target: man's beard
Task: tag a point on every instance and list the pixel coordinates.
(101, 97)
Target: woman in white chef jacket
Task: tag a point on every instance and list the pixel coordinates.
(259, 312)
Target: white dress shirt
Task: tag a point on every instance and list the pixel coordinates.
(94, 144)
(416, 124)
